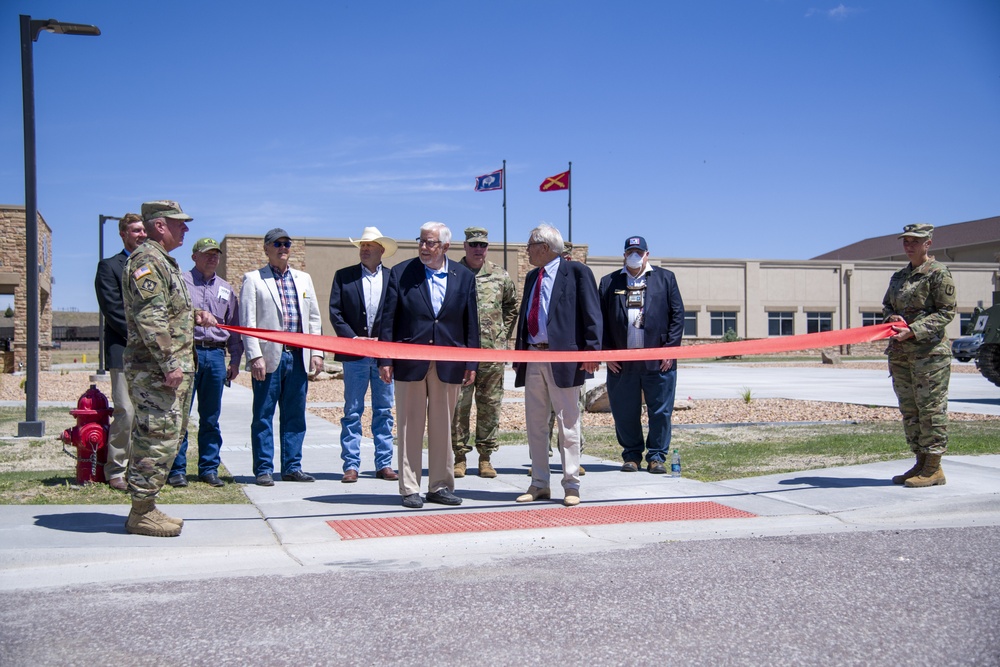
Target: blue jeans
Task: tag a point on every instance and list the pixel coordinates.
(625, 390)
(285, 388)
(209, 380)
(358, 376)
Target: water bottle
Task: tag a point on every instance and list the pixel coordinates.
(675, 464)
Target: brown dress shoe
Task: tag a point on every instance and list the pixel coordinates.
(572, 498)
(349, 476)
(534, 493)
(118, 484)
(387, 473)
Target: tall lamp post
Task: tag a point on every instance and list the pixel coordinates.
(30, 29)
(100, 313)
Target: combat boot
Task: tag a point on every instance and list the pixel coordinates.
(145, 519)
(460, 466)
(931, 475)
(486, 468)
(912, 472)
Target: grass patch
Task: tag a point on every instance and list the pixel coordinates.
(714, 454)
(35, 471)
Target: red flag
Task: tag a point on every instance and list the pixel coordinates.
(557, 182)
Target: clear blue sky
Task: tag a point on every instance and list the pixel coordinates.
(771, 129)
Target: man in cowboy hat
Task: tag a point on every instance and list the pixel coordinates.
(356, 299)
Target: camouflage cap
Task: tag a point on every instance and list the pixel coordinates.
(919, 231)
(206, 244)
(163, 209)
(477, 234)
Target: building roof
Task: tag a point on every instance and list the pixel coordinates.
(959, 235)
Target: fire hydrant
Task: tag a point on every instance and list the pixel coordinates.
(90, 435)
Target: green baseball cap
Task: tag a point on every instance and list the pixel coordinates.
(477, 234)
(206, 244)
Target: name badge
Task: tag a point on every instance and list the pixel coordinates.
(223, 294)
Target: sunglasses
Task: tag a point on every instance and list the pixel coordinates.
(282, 244)
(478, 244)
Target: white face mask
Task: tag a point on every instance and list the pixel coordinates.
(633, 260)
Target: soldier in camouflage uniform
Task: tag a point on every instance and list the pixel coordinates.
(923, 296)
(497, 298)
(159, 362)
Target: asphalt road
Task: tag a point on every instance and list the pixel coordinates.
(914, 597)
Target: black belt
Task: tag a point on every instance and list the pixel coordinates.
(289, 348)
(211, 346)
(539, 346)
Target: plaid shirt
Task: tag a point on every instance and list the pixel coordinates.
(289, 302)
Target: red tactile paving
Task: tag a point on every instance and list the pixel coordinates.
(474, 522)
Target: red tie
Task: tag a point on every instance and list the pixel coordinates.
(536, 301)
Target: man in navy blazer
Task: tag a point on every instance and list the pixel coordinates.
(108, 285)
(356, 299)
(430, 301)
(560, 310)
(642, 308)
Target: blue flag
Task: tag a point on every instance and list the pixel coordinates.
(488, 182)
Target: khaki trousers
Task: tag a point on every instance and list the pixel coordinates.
(541, 398)
(431, 403)
(121, 426)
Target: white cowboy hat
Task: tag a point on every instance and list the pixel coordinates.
(373, 235)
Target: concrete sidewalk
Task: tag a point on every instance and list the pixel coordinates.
(285, 530)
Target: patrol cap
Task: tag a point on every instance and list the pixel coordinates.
(275, 234)
(918, 231)
(636, 242)
(206, 244)
(477, 234)
(163, 209)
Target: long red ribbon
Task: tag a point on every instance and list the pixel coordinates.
(383, 350)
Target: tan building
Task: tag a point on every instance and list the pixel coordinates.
(13, 267)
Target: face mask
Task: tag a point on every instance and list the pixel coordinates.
(633, 260)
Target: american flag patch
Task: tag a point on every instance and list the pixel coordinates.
(141, 271)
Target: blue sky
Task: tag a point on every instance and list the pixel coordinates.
(771, 129)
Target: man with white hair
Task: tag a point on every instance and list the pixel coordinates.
(356, 299)
(430, 301)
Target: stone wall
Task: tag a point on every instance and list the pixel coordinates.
(13, 267)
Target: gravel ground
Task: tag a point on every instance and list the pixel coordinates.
(69, 385)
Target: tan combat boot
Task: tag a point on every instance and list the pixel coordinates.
(460, 466)
(145, 519)
(912, 472)
(931, 475)
(486, 468)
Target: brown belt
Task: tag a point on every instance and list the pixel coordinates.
(539, 346)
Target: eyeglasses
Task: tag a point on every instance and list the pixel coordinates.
(429, 244)
(282, 244)
(478, 244)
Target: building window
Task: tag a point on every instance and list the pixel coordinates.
(723, 321)
(817, 322)
(780, 323)
(965, 322)
(690, 322)
(870, 318)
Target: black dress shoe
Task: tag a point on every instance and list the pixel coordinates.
(212, 479)
(297, 476)
(177, 480)
(413, 501)
(265, 479)
(443, 497)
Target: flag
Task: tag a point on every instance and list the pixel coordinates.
(557, 182)
(488, 182)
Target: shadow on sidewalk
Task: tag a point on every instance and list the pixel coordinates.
(83, 522)
(835, 482)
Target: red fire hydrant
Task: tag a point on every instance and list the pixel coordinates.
(90, 435)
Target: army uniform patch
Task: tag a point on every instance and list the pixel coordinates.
(147, 286)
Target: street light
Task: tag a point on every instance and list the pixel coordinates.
(30, 29)
(100, 313)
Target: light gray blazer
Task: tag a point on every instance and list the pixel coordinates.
(260, 308)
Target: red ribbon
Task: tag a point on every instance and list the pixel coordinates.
(382, 350)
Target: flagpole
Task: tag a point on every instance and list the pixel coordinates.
(503, 178)
(569, 189)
